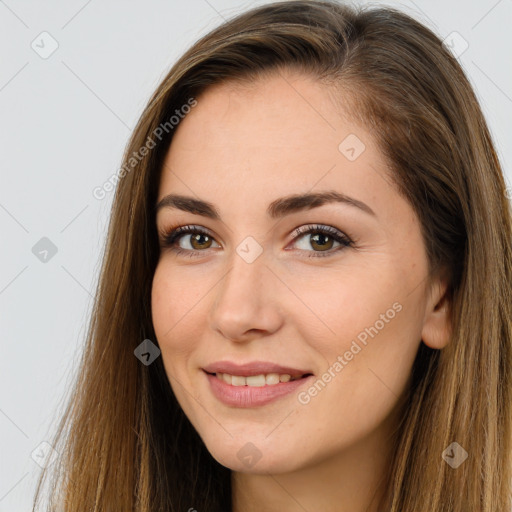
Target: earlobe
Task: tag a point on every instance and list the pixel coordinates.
(436, 332)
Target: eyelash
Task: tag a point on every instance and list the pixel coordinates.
(171, 236)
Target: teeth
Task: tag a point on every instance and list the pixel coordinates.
(269, 379)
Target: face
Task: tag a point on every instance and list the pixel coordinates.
(334, 289)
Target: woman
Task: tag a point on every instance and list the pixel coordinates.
(305, 301)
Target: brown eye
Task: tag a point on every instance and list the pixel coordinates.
(203, 241)
(198, 239)
(322, 240)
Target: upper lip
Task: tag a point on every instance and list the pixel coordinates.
(253, 368)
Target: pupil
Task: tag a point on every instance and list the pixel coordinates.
(325, 237)
(198, 236)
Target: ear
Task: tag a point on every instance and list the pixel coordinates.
(436, 332)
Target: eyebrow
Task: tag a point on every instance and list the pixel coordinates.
(276, 209)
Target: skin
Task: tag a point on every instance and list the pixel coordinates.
(240, 148)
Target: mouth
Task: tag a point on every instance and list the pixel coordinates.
(255, 389)
(258, 380)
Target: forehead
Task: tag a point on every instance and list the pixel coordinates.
(246, 146)
(261, 111)
(283, 128)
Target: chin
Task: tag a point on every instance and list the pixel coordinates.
(245, 456)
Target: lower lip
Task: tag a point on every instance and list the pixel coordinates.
(249, 396)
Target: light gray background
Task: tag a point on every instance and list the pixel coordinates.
(64, 121)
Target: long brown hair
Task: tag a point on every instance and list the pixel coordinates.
(127, 443)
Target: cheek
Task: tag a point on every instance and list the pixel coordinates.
(175, 320)
(353, 303)
(362, 380)
(374, 324)
(173, 302)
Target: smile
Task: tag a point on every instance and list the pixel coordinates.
(269, 379)
(254, 390)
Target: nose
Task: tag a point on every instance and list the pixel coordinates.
(246, 304)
